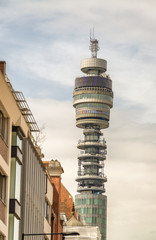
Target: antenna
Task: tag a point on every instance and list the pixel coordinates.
(94, 47)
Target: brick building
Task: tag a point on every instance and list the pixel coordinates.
(66, 203)
(55, 170)
(62, 199)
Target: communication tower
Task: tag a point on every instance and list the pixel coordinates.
(92, 100)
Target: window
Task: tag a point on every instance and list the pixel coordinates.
(16, 141)
(100, 211)
(103, 230)
(15, 179)
(92, 137)
(2, 187)
(46, 183)
(93, 95)
(99, 220)
(3, 126)
(95, 105)
(95, 201)
(13, 227)
(90, 210)
(18, 181)
(88, 220)
(91, 150)
(1, 237)
(100, 202)
(47, 210)
(94, 219)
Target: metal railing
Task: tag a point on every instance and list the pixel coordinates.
(102, 188)
(92, 141)
(91, 173)
(92, 153)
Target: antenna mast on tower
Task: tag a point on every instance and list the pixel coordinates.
(94, 45)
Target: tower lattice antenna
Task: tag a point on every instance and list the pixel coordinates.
(94, 47)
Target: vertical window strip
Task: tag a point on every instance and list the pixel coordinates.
(2, 188)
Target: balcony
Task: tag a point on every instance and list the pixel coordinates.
(98, 144)
(91, 176)
(98, 165)
(92, 130)
(99, 156)
(90, 188)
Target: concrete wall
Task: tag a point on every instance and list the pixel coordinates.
(33, 191)
(86, 232)
(49, 193)
(49, 199)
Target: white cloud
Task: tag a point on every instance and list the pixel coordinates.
(46, 40)
(50, 41)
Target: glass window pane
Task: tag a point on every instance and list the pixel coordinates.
(3, 187)
(18, 181)
(16, 228)
(19, 142)
(13, 138)
(16, 141)
(13, 227)
(12, 178)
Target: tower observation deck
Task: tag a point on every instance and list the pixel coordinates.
(92, 100)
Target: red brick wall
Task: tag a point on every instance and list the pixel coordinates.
(57, 226)
(3, 149)
(66, 202)
(2, 211)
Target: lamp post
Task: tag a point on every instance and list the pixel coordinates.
(51, 234)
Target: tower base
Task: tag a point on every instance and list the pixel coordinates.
(91, 210)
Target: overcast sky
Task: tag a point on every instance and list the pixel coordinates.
(43, 42)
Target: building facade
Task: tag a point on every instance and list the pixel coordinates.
(55, 171)
(92, 99)
(22, 175)
(13, 128)
(48, 218)
(33, 190)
